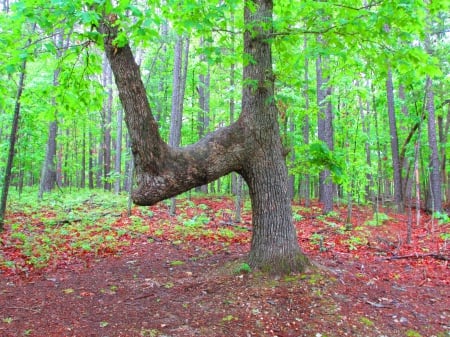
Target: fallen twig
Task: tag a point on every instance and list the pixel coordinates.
(139, 297)
(377, 305)
(223, 223)
(419, 256)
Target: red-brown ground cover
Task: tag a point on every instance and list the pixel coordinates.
(181, 280)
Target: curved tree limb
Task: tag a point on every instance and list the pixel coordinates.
(163, 171)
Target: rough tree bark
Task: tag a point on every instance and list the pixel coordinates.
(251, 146)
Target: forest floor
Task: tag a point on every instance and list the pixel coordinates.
(87, 271)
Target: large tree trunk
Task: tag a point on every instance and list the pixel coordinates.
(251, 146)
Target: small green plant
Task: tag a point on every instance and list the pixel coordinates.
(169, 285)
(176, 263)
(297, 217)
(228, 318)
(196, 221)
(443, 218)
(445, 236)
(103, 324)
(377, 220)
(316, 239)
(149, 332)
(354, 241)
(203, 207)
(413, 333)
(7, 320)
(243, 268)
(226, 232)
(366, 321)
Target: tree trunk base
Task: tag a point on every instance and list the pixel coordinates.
(279, 265)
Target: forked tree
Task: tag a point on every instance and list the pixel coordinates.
(251, 146)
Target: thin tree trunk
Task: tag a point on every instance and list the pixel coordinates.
(396, 165)
(203, 97)
(128, 165)
(306, 181)
(118, 158)
(83, 159)
(106, 119)
(325, 133)
(91, 160)
(435, 202)
(48, 176)
(238, 200)
(179, 85)
(13, 140)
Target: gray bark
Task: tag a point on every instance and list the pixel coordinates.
(118, 157)
(106, 126)
(305, 182)
(179, 85)
(434, 203)
(325, 134)
(396, 165)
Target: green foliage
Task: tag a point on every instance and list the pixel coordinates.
(176, 263)
(316, 157)
(354, 241)
(443, 218)
(226, 232)
(378, 219)
(413, 333)
(196, 221)
(243, 268)
(357, 44)
(366, 322)
(445, 236)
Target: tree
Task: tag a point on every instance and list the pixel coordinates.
(434, 203)
(48, 174)
(251, 146)
(325, 132)
(13, 136)
(106, 126)
(179, 85)
(396, 165)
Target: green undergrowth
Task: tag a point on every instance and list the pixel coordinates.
(65, 226)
